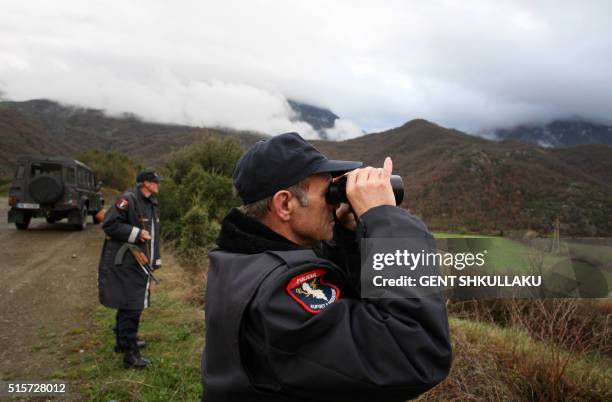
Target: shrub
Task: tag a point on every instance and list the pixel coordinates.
(209, 191)
(576, 325)
(495, 363)
(197, 232)
(213, 154)
(5, 180)
(198, 193)
(115, 170)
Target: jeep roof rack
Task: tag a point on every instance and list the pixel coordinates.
(43, 158)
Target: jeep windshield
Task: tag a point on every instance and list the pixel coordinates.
(52, 169)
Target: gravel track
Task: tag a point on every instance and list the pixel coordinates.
(48, 277)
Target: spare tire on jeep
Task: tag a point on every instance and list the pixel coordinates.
(46, 189)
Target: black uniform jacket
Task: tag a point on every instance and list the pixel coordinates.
(286, 323)
(126, 286)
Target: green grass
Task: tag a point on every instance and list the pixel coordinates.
(503, 255)
(490, 362)
(447, 235)
(600, 249)
(174, 331)
(509, 256)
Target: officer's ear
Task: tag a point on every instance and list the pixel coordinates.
(281, 205)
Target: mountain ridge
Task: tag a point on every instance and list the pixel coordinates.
(461, 182)
(558, 133)
(319, 118)
(69, 130)
(454, 181)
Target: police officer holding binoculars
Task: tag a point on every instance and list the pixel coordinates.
(285, 320)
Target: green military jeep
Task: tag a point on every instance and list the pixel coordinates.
(54, 188)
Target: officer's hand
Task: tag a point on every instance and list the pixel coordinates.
(346, 217)
(369, 187)
(144, 235)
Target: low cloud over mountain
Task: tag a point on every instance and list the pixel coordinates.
(558, 133)
(234, 64)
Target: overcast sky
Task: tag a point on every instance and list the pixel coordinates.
(464, 64)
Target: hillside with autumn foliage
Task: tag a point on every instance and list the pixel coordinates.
(454, 181)
(459, 182)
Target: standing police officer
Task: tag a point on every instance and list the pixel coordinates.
(123, 282)
(284, 317)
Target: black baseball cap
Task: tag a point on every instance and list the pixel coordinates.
(280, 162)
(148, 175)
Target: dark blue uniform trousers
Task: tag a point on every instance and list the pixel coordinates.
(126, 327)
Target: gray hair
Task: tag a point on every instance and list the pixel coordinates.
(260, 208)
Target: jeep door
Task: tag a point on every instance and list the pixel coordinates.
(94, 197)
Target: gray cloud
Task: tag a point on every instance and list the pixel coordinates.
(464, 64)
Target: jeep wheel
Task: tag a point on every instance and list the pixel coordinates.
(25, 224)
(46, 189)
(83, 221)
(51, 220)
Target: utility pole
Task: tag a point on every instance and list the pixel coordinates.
(555, 241)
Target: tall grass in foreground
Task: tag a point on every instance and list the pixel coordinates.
(492, 361)
(174, 331)
(495, 363)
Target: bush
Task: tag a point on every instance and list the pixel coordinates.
(198, 193)
(115, 170)
(197, 232)
(494, 363)
(216, 155)
(5, 181)
(209, 191)
(575, 325)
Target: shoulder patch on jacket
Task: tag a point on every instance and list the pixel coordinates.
(122, 204)
(311, 292)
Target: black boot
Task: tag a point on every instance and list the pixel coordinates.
(120, 349)
(133, 359)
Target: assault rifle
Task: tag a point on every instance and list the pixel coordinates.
(138, 255)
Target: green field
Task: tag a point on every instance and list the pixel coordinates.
(576, 263)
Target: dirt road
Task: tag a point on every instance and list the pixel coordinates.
(48, 285)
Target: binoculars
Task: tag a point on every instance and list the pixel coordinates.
(336, 193)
